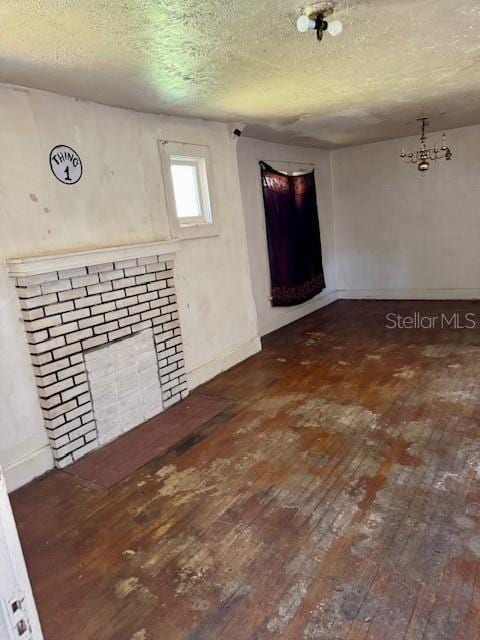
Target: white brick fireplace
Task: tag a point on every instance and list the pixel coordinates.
(84, 314)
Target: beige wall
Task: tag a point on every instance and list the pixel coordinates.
(283, 157)
(403, 234)
(119, 200)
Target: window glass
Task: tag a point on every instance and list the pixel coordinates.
(186, 189)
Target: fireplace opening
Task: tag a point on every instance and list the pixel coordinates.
(124, 384)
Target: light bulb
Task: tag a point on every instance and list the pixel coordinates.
(304, 24)
(335, 28)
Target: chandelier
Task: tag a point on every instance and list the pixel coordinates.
(425, 155)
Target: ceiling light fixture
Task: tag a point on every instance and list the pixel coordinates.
(425, 155)
(313, 19)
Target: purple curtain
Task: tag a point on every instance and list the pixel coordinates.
(293, 236)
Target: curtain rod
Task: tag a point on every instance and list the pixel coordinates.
(307, 164)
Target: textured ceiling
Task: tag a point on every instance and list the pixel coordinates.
(244, 61)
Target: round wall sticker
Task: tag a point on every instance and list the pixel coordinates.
(65, 164)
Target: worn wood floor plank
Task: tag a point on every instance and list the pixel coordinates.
(336, 498)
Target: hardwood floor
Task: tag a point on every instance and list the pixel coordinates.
(336, 498)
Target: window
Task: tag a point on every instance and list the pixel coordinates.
(190, 189)
(188, 178)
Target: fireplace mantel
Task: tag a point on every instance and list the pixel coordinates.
(35, 265)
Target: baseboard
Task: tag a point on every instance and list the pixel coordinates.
(409, 294)
(212, 368)
(26, 469)
(286, 315)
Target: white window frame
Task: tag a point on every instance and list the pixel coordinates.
(200, 157)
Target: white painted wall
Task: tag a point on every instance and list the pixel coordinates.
(120, 200)
(401, 234)
(283, 157)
